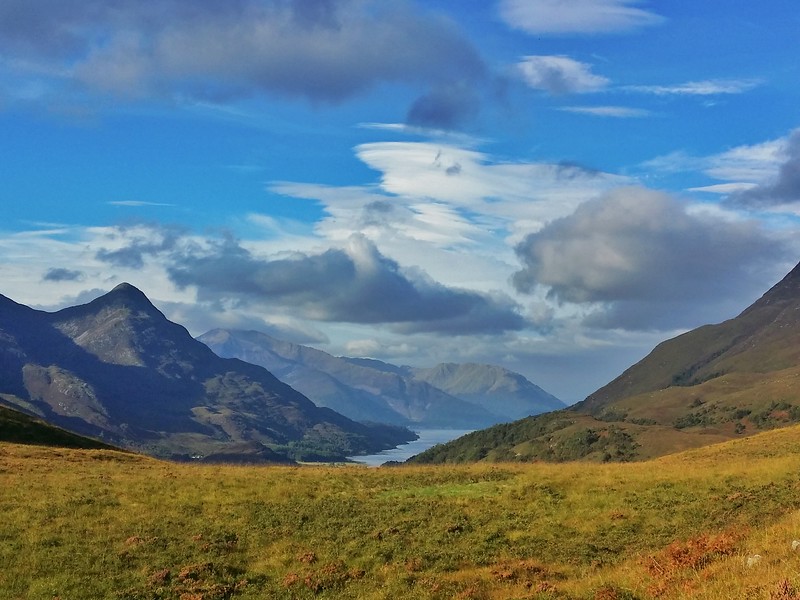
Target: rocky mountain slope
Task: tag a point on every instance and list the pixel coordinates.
(118, 370)
(448, 396)
(713, 383)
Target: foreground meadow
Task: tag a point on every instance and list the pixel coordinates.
(719, 522)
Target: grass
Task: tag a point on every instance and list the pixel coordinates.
(104, 524)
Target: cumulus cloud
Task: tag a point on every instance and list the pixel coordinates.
(647, 258)
(322, 50)
(779, 190)
(356, 284)
(576, 16)
(559, 75)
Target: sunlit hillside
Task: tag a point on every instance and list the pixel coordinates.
(710, 384)
(718, 522)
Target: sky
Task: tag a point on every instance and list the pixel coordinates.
(554, 186)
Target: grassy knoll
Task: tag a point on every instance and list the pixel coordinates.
(102, 524)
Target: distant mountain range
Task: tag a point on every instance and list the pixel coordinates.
(116, 369)
(714, 383)
(466, 396)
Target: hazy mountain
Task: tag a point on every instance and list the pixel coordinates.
(361, 389)
(713, 383)
(506, 394)
(117, 369)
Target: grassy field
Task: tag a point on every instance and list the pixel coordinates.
(717, 522)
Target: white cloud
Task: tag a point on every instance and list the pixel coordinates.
(137, 203)
(749, 163)
(723, 188)
(436, 203)
(741, 167)
(560, 75)
(618, 112)
(576, 16)
(479, 182)
(709, 87)
(782, 191)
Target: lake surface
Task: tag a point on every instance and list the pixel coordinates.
(427, 438)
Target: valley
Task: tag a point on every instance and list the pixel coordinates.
(405, 300)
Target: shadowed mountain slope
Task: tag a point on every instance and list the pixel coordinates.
(713, 383)
(118, 369)
(19, 428)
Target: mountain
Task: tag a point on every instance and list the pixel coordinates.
(504, 393)
(365, 390)
(710, 384)
(117, 369)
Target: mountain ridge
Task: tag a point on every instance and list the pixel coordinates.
(118, 369)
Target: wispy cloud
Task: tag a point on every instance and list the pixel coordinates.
(559, 75)
(783, 188)
(751, 163)
(723, 188)
(577, 16)
(708, 87)
(136, 203)
(748, 164)
(619, 112)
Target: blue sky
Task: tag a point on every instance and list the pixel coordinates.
(555, 186)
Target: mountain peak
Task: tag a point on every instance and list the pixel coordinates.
(786, 290)
(129, 296)
(121, 302)
(126, 287)
(128, 290)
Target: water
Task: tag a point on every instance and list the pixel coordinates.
(427, 438)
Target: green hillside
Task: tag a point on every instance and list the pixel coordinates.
(714, 383)
(103, 524)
